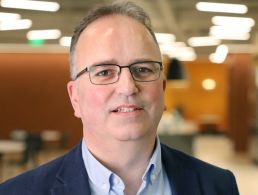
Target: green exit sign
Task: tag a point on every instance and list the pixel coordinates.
(36, 42)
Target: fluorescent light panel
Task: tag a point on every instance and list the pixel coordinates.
(31, 5)
(228, 30)
(165, 38)
(220, 54)
(186, 54)
(203, 41)
(65, 41)
(221, 7)
(233, 21)
(44, 34)
(231, 28)
(230, 36)
(180, 51)
(15, 24)
(9, 16)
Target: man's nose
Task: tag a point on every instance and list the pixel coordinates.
(126, 84)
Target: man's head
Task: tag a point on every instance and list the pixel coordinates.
(129, 107)
(122, 8)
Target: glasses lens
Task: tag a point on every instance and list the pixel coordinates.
(145, 71)
(104, 74)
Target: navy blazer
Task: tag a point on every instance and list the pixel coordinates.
(67, 175)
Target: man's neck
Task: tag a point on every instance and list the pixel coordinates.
(128, 159)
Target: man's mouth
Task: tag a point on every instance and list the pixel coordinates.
(127, 109)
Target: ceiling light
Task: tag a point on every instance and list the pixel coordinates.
(15, 24)
(230, 36)
(65, 41)
(203, 41)
(44, 34)
(9, 16)
(220, 54)
(186, 54)
(182, 52)
(233, 21)
(228, 30)
(32, 5)
(165, 38)
(221, 7)
(178, 44)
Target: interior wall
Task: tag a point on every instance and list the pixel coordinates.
(34, 96)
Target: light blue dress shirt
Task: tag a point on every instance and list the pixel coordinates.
(105, 182)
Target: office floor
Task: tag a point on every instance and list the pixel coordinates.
(217, 150)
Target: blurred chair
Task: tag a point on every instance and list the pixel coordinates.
(53, 139)
(33, 144)
(19, 135)
(12, 153)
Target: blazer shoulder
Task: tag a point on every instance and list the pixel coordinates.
(209, 176)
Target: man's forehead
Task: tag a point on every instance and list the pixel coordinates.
(113, 23)
(111, 37)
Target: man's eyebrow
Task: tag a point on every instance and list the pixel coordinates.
(113, 61)
(110, 61)
(143, 59)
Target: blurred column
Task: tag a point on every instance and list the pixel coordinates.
(241, 99)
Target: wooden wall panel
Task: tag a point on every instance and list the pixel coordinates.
(33, 94)
(242, 100)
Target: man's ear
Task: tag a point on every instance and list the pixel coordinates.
(73, 94)
(164, 84)
(164, 88)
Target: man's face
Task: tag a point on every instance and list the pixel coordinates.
(125, 110)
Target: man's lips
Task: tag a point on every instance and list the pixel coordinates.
(126, 109)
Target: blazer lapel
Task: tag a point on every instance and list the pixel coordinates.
(183, 180)
(72, 177)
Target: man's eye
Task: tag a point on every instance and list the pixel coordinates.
(143, 70)
(105, 72)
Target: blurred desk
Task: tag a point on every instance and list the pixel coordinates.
(184, 143)
(10, 147)
(178, 134)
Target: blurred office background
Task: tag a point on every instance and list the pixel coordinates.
(210, 60)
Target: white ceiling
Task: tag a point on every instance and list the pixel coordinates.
(179, 17)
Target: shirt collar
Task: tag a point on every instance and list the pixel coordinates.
(98, 174)
(155, 166)
(102, 177)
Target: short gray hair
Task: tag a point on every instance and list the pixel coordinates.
(117, 8)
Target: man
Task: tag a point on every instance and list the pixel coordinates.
(117, 91)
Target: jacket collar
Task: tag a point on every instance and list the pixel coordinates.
(72, 177)
(183, 179)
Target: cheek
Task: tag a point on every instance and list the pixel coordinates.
(155, 94)
(94, 99)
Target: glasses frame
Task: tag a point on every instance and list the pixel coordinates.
(87, 70)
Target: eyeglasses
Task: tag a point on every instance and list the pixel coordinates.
(104, 74)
